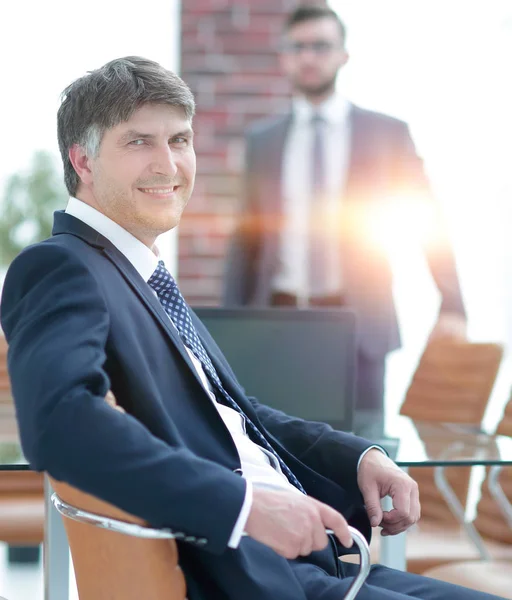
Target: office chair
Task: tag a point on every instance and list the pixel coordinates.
(118, 557)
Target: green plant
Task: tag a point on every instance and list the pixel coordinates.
(28, 204)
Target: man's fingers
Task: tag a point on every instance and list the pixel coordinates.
(335, 521)
(372, 503)
(394, 522)
(415, 504)
(395, 528)
(320, 539)
(392, 517)
(402, 500)
(306, 547)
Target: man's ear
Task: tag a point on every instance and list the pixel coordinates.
(344, 59)
(81, 163)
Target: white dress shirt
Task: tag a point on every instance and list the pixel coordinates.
(259, 467)
(296, 186)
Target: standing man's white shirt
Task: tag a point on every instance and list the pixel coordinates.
(296, 186)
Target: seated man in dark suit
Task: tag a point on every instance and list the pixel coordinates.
(94, 309)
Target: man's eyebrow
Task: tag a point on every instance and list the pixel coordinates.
(185, 132)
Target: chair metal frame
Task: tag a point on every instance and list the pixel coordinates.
(455, 506)
(499, 495)
(454, 503)
(142, 531)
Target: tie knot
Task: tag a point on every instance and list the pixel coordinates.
(317, 119)
(161, 280)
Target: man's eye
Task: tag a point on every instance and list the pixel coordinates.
(137, 142)
(179, 140)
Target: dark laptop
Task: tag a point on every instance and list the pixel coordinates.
(299, 361)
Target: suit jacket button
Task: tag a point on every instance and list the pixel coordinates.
(238, 472)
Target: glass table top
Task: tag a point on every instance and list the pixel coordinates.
(409, 443)
(415, 443)
(11, 456)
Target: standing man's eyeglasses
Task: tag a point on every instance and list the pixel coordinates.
(319, 47)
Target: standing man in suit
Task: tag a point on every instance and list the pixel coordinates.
(316, 181)
(94, 309)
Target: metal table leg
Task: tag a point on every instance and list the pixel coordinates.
(459, 513)
(56, 551)
(499, 495)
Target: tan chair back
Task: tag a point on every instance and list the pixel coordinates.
(114, 566)
(452, 384)
(489, 522)
(505, 424)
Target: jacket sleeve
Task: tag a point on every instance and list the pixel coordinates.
(436, 242)
(333, 454)
(57, 326)
(243, 248)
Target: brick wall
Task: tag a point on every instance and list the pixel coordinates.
(229, 59)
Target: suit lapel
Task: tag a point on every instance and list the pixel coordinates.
(153, 305)
(356, 150)
(67, 224)
(151, 302)
(273, 172)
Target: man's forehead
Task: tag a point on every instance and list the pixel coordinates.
(156, 117)
(323, 25)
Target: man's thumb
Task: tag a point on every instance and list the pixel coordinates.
(373, 507)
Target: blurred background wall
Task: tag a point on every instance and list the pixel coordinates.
(229, 54)
(441, 66)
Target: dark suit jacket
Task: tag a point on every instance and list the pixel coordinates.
(79, 321)
(382, 163)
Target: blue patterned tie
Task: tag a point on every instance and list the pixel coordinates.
(175, 306)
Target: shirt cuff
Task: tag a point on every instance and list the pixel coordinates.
(368, 450)
(238, 529)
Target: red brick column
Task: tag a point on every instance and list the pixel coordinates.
(229, 58)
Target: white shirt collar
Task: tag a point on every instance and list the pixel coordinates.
(141, 257)
(334, 110)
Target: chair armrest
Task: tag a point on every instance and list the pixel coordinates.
(364, 568)
(119, 526)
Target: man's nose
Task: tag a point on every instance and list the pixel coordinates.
(164, 161)
(308, 52)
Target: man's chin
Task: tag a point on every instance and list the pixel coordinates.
(166, 222)
(313, 90)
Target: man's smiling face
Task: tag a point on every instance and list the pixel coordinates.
(144, 173)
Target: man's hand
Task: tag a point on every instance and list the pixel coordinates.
(293, 524)
(379, 476)
(450, 326)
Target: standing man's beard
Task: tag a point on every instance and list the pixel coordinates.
(318, 90)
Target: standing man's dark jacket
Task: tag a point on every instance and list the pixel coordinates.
(383, 164)
(80, 320)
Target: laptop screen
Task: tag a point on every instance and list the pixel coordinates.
(299, 361)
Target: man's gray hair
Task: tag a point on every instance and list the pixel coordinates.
(108, 96)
